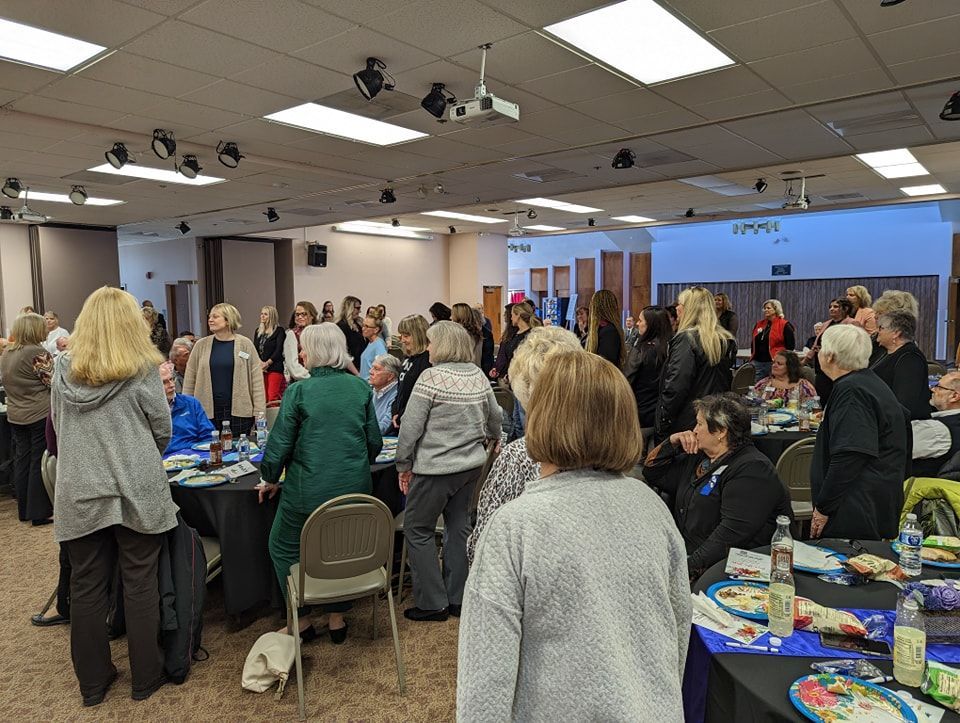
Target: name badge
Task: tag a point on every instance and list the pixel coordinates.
(769, 389)
(712, 483)
(243, 355)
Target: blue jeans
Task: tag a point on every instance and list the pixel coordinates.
(519, 421)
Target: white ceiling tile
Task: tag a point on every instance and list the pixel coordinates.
(348, 52)
(104, 22)
(92, 92)
(232, 96)
(873, 20)
(596, 133)
(522, 58)
(656, 122)
(25, 142)
(530, 144)
(167, 7)
(145, 127)
(134, 71)
(538, 14)
(295, 78)
(711, 15)
(743, 105)
(718, 85)
(191, 114)
(901, 138)
(492, 136)
(733, 153)
(792, 134)
(923, 40)
(682, 140)
(687, 168)
(7, 96)
(922, 69)
(630, 104)
(53, 108)
(843, 57)
(837, 86)
(288, 26)
(930, 101)
(546, 122)
(14, 76)
(360, 12)
(455, 152)
(787, 32)
(580, 84)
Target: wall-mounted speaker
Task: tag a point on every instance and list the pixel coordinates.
(317, 255)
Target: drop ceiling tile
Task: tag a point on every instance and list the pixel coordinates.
(717, 85)
(596, 133)
(743, 105)
(872, 20)
(901, 138)
(538, 14)
(239, 98)
(144, 126)
(7, 96)
(630, 104)
(53, 108)
(191, 114)
(929, 102)
(134, 71)
(493, 136)
(924, 40)
(709, 15)
(86, 20)
(550, 121)
(657, 122)
(838, 86)
(580, 84)
(523, 58)
(24, 142)
(792, 134)
(687, 168)
(348, 52)
(77, 89)
(287, 26)
(23, 78)
(295, 78)
(329, 145)
(198, 49)
(466, 24)
(923, 69)
(787, 32)
(682, 140)
(454, 152)
(734, 153)
(843, 57)
(360, 12)
(533, 144)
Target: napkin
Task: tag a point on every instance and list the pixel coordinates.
(815, 558)
(707, 614)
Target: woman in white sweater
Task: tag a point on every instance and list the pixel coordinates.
(577, 604)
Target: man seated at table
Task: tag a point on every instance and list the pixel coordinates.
(190, 422)
(936, 441)
(384, 373)
(179, 356)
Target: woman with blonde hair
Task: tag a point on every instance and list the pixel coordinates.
(413, 340)
(269, 339)
(351, 325)
(27, 369)
(112, 421)
(158, 332)
(463, 315)
(605, 336)
(771, 335)
(699, 359)
(546, 590)
(860, 299)
(224, 373)
(523, 318)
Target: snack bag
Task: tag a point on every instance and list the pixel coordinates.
(874, 567)
(809, 616)
(943, 542)
(942, 683)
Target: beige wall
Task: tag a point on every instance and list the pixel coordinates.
(248, 280)
(477, 260)
(16, 281)
(168, 262)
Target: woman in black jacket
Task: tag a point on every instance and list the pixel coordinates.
(699, 360)
(903, 366)
(605, 337)
(725, 493)
(413, 340)
(645, 359)
(269, 339)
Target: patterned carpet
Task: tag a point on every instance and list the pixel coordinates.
(354, 681)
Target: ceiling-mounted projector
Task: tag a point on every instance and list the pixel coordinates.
(484, 108)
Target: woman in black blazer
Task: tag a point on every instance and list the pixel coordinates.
(268, 339)
(605, 337)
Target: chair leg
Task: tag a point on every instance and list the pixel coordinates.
(401, 677)
(403, 568)
(293, 623)
(46, 607)
(374, 615)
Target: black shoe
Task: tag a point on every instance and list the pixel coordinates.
(43, 622)
(338, 636)
(309, 635)
(97, 698)
(40, 523)
(150, 690)
(425, 615)
(454, 610)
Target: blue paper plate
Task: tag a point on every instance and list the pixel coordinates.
(781, 418)
(809, 695)
(716, 593)
(838, 555)
(929, 563)
(182, 462)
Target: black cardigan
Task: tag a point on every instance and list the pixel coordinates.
(905, 372)
(271, 348)
(609, 343)
(642, 370)
(739, 510)
(355, 341)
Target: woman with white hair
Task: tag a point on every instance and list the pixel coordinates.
(771, 335)
(902, 365)
(860, 459)
(326, 436)
(513, 468)
(450, 415)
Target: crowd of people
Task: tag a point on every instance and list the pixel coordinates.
(631, 430)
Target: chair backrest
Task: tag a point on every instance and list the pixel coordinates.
(484, 473)
(936, 369)
(271, 414)
(48, 484)
(348, 536)
(744, 378)
(793, 468)
(505, 400)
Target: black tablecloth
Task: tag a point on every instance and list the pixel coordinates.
(774, 443)
(232, 514)
(754, 687)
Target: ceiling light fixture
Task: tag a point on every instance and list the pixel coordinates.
(190, 166)
(118, 156)
(5, 213)
(453, 229)
(69, 198)
(164, 144)
(183, 228)
(951, 110)
(760, 185)
(889, 3)
(395, 222)
(271, 214)
(557, 205)
(439, 188)
(542, 227)
(375, 228)
(531, 214)
(340, 124)
(625, 158)
(78, 195)
(370, 80)
(632, 219)
(435, 102)
(229, 154)
(12, 188)
(898, 163)
(156, 174)
(387, 196)
(42, 48)
(658, 46)
(464, 217)
(929, 190)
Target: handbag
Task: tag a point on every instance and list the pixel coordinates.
(268, 662)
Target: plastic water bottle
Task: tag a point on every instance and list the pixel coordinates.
(911, 538)
(243, 448)
(261, 430)
(782, 588)
(909, 644)
(781, 545)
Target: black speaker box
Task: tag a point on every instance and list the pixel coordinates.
(317, 255)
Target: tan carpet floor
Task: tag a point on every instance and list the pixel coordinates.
(351, 682)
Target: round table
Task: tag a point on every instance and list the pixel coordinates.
(773, 444)
(231, 513)
(754, 687)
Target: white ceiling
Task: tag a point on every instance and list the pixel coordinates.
(814, 82)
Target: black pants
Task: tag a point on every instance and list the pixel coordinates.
(63, 584)
(29, 444)
(93, 559)
(238, 425)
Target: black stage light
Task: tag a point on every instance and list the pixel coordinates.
(625, 158)
(12, 188)
(395, 222)
(370, 80)
(190, 166)
(78, 195)
(5, 213)
(760, 185)
(453, 229)
(386, 196)
(531, 214)
(951, 111)
(271, 214)
(183, 228)
(118, 156)
(591, 222)
(164, 144)
(889, 3)
(229, 154)
(690, 213)
(435, 102)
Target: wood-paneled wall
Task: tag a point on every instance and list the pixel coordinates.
(612, 273)
(561, 280)
(639, 282)
(806, 301)
(586, 280)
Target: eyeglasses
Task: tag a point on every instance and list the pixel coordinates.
(302, 313)
(945, 389)
(367, 326)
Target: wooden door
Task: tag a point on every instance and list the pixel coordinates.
(586, 281)
(639, 283)
(493, 308)
(561, 281)
(611, 270)
(538, 284)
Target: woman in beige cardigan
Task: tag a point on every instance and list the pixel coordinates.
(223, 373)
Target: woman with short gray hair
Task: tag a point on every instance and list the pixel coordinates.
(724, 492)
(902, 365)
(452, 413)
(860, 460)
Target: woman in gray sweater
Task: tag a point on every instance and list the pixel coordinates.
(578, 605)
(113, 500)
(451, 413)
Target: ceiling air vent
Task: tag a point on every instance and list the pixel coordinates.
(304, 211)
(896, 120)
(547, 175)
(842, 196)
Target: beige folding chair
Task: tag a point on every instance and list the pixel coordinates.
(271, 414)
(398, 527)
(346, 551)
(744, 378)
(505, 400)
(492, 453)
(211, 550)
(936, 369)
(793, 468)
(48, 475)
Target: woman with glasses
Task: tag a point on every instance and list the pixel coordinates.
(304, 314)
(372, 331)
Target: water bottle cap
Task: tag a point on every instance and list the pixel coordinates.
(783, 520)
(911, 516)
(910, 603)
(775, 642)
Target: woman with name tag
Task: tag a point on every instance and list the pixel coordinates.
(784, 378)
(723, 491)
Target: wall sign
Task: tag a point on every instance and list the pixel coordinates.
(780, 270)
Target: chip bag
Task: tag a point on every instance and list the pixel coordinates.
(875, 567)
(809, 616)
(943, 542)
(942, 683)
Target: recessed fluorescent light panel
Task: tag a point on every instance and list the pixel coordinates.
(542, 227)
(632, 219)
(558, 205)
(155, 174)
(898, 163)
(930, 190)
(464, 217)
(641, 39)
(339, 123)
(64, 198)
(374, 228)
(33, 46)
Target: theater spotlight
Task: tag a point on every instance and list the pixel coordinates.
(183, 228)
(951, 111)
(78, 195)
(889, 3)
(5, 213)
(591, 222)
(190, 166)
(453, 229)
(386, 196)
(395, 222)
(271, 214)
(118, 156)
(531, 214)
(164, 144)
(370, 80)
(625, 158)
(229, 154)
(12, 188)
(435, 102)
(690, 213)
(760, 185)
(439, 188)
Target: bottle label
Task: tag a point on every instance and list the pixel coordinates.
(911, 538)
(781, 558)
(780, 603)
(909, 647)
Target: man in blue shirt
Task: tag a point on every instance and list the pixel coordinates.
(190, 422)
(383, 378)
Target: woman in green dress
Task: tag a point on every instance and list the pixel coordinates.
(326, 436)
